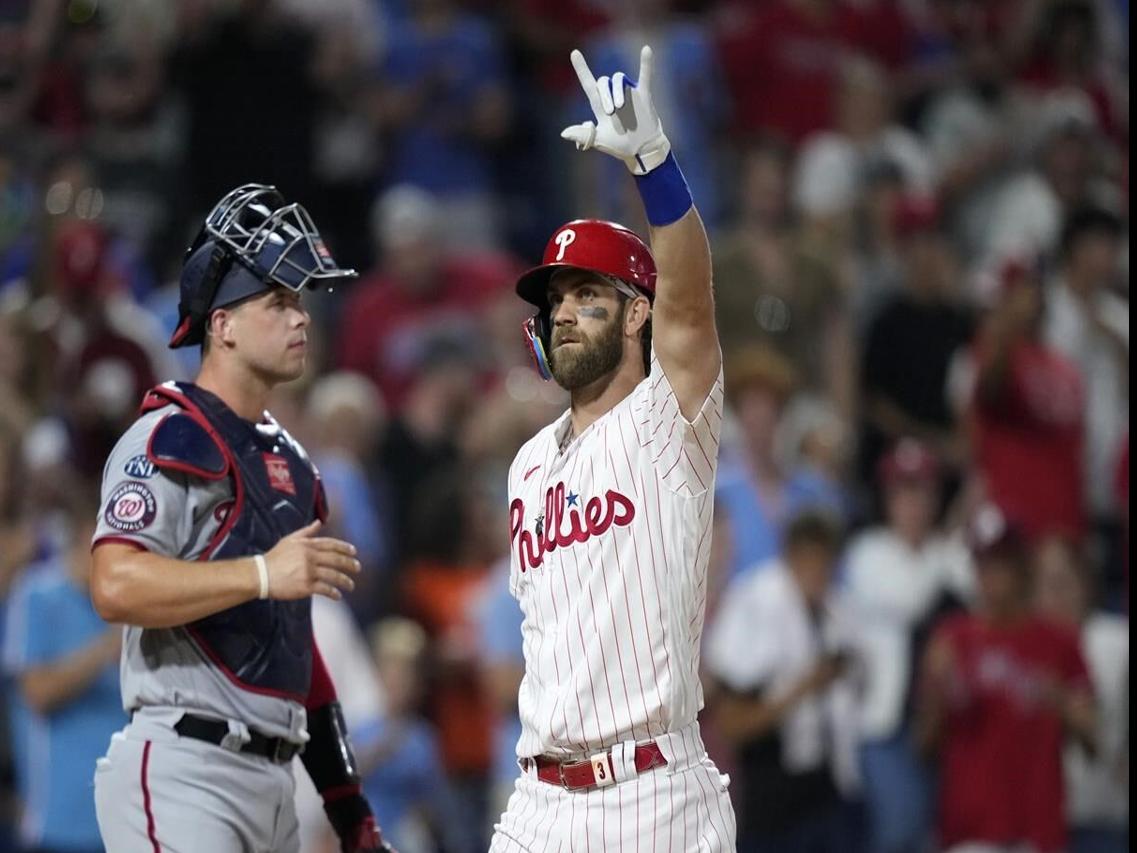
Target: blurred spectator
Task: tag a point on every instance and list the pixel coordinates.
(877, 272)
(423, 298)
(1097, 787)
(67, 198)
(1089, 323)
(350, 37)
(1065, 159)
(758, 491)
(965, 122)
(19, 76)
(17, 537)
(909, 347)
(1121, 495)
(541, 193)
(18, 215)
(455, 539)
(505, 419)
(833, 165)
(1067, 56)
(498, 617)
(421, 442)
(779, 647)
(690, 99)
(753, 263)
(1027, 412)
(900, 578)
(136, 144)
(106, 349)
(65, 660)
(815, 434)
(402, 770)
(780, 286)
(443, 102)
(1002, 688)
(783, 57)
(60, 48)
(346, 417)
(16, 408)
(246, 72)
(364, 700)
(548, 30)
(361, 696)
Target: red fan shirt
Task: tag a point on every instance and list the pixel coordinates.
(1029, 442)
(1001, 758)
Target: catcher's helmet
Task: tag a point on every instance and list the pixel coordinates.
(251, 241)
(592, 245)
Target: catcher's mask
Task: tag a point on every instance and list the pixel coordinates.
(252, 241)
(606, 249)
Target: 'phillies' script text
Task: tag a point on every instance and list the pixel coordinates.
(595, 519)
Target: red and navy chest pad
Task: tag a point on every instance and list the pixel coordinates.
(264, 646)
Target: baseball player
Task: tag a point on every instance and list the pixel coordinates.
(610, 516)
(208, 549)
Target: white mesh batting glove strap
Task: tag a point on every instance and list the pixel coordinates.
(627, 126)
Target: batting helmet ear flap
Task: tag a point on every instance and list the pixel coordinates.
(537, 329)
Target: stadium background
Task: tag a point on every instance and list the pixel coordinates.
(879, 178)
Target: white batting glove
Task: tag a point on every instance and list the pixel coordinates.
(626, 127)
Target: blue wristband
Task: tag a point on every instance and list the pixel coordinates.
(665, 193)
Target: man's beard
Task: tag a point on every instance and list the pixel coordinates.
(591, 358)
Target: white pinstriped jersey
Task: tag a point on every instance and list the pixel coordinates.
(609, 546)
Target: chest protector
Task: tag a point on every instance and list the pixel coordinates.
(263, 645)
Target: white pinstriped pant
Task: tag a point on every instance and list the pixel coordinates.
(679, 808)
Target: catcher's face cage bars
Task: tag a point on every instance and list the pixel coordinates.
(246, 223)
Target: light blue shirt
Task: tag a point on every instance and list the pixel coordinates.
(455, 65)
(49, 618)
(755, 529)
(410, 777)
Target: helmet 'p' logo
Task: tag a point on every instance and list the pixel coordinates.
(564, 239)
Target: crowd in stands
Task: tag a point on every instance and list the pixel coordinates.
(917, 631)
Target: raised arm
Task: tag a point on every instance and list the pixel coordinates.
(683, 317)
(627, 127)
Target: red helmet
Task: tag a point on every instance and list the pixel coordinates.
(595, 246)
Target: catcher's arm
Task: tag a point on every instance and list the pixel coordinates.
(627, 127)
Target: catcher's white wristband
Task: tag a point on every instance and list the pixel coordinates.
(262, 574)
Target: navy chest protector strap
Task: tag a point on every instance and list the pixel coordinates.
(263, 646)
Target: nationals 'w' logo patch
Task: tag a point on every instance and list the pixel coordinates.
(131, 507)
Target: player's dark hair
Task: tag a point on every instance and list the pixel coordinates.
(646, 340)
(814, 528)
(645, 336)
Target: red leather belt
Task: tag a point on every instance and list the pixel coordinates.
(596, 772)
